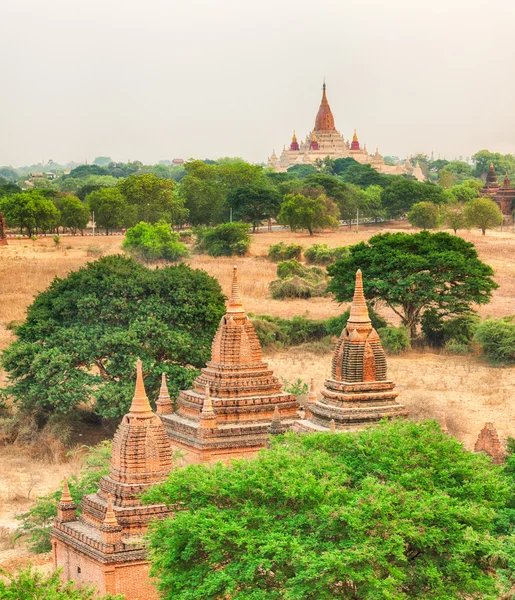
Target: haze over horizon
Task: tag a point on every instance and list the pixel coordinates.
(203, 78)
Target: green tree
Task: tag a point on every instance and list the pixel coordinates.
(400, 511)
(414, 273)
(463, 192)
(402, 194)
(483, 213)
(30, 211)
(83, 334)
(301, 212)
(110, 207)
(453, 217)
(301, 171)
(103, 161)
(373, 204)
(254, 203)
(226, 239)
(153, 199)
(503, 163)
(74, 214)
(425, 215)
(154, 242)
(30, 584)
(203, 193)
(364, 175)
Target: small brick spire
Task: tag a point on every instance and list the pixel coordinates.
(358, 311)
(276, 426)
(140, 404)
(332, 425)
(207, 406)
(312, 396)
(164, 404)
(66, 509)
(235, 305)
(110, 518)
(66, 497)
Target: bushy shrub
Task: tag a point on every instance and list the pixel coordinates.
(281, 251)
(321, 254)
(394, 339)
(296, 287)
(335, 325)
(292, 268)
(456, 347)
(31, 584)
(36, 523)
(288, 332)
(440, 332)
(154, 242)
(186, 235)
(228, 239)
(497, 339)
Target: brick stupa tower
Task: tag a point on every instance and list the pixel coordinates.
(231, 407)
(358, 392)
(104, 546)
(3, 233)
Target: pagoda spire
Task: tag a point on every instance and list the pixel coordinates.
(164, 403)
(110, 518)
(359, 316)
(235, 305)
(66, 497)
(140, 404)
(355, 142)
(324, 120)
(294, 143)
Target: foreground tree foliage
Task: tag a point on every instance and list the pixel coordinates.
(412, 273)
(401, 511)
(83, 334)
(30, 584)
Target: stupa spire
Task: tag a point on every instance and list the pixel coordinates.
(164, 403)
(140, 404)
(355, 142)
(294, 143)
(110, 517)
(66, 497)
(324, 120)
(358, 311)
(235, 305)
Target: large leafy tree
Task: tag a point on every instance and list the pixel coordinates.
(83, 334)
(483, 213)
(402, 194)
(204, 194)
(425, 215)
(30, 211)
(110, 208)
(152, 199)
(74, 213)
(400, 511)
(302, 212)
(414, 273)
(254, 203)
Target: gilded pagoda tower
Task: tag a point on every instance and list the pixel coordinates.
(229, 410)
(104, 545)
(358, 393)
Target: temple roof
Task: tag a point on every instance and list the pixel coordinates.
(325, 119)
(491, 177)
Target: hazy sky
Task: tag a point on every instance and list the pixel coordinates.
(161, 79)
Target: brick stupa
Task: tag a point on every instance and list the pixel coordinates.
(358, 392)
(488, 441)
(104, 546)
(231, 407)
(3, 231)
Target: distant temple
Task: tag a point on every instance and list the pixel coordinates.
(503, 196)
(324, 140)
(358, 393)
(230, 409)
(488, 441)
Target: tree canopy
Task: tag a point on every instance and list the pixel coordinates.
(402, 194)
(254, 203)
(30, 211)
(483, 213)
(425, 215)
(83, 335)
(302, 212)
(400, 511)
(412, 273)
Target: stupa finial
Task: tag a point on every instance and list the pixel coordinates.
(235, 304)
(110, 517)
(140, 404)
(66, 497)
(358, 310)
(332, 425)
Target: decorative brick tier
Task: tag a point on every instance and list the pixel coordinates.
(104, 545)
(488, 441)
(231, 406)
(358, 392)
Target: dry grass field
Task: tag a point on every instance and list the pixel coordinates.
(465, 389)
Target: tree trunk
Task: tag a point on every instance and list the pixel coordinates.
(484, 231)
